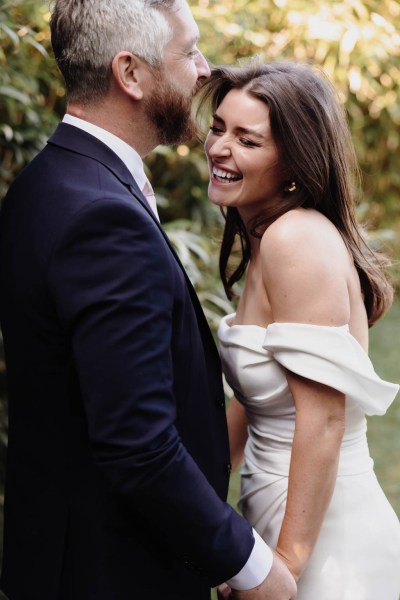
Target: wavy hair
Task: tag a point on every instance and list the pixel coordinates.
(310, 129)
(87, 34)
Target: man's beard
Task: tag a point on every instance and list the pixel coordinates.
(170, 111)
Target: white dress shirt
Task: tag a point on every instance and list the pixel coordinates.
(259, 562)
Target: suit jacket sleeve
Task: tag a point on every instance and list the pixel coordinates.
(114, 283)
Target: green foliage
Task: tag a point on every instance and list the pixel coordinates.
(30, 89)
(384, 431)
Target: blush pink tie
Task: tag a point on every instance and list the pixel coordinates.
(150, 197)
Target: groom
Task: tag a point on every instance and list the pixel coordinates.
(118, 460)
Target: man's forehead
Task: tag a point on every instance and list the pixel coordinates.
(183, 24)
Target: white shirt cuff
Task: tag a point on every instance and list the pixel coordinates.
(257, 567)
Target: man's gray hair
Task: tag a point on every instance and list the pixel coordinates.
(87, 34)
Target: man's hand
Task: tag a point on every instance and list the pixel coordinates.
(279, 585)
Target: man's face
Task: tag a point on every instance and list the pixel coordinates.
(184, 64)
(175, 83)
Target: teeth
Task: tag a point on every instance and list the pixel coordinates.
(225, 174)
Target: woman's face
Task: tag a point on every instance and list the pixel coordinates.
(245, 170)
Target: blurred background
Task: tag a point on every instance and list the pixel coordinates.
(356, 42)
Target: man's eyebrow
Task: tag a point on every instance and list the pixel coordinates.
(244, 130)
(193, 41)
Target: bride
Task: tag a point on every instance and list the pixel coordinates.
(295, 352)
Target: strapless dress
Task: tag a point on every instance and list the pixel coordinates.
(357, 555)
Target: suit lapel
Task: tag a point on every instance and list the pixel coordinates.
(195, 300)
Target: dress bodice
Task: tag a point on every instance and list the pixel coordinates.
(254, 360)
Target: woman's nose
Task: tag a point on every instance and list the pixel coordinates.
(220, 146)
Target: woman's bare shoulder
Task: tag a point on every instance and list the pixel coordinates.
(305, 264)
(301, 224)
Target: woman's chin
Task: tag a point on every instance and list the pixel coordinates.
(218, 201)
(217, 197)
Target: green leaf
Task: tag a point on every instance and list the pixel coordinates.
(38, 46)
(11, 92)
(11, 34)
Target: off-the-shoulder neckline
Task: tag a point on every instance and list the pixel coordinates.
(228, 320)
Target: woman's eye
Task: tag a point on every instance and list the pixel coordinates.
(246, 142)
(215, 129)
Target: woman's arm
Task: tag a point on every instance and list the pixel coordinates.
(313, 468)
(237, 428)
(304, 271)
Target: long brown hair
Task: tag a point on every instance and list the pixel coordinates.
(310, 129)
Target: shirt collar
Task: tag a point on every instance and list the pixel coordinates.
(126, 153)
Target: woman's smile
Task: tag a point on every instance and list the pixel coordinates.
(224, 176)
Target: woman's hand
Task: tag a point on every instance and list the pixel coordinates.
(224, 592)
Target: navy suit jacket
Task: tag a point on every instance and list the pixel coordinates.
(118, 459)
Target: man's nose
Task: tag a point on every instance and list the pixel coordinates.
(203, 70)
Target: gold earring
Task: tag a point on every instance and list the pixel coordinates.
(290, 187)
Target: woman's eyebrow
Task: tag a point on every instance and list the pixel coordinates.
(251, 132)
(239, 129)
(218, 119)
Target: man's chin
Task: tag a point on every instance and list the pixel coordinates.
(175, 137)
(175, 141)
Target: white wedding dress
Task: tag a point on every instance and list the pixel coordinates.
(357, 555)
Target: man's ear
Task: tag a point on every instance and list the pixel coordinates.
(128, 72)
